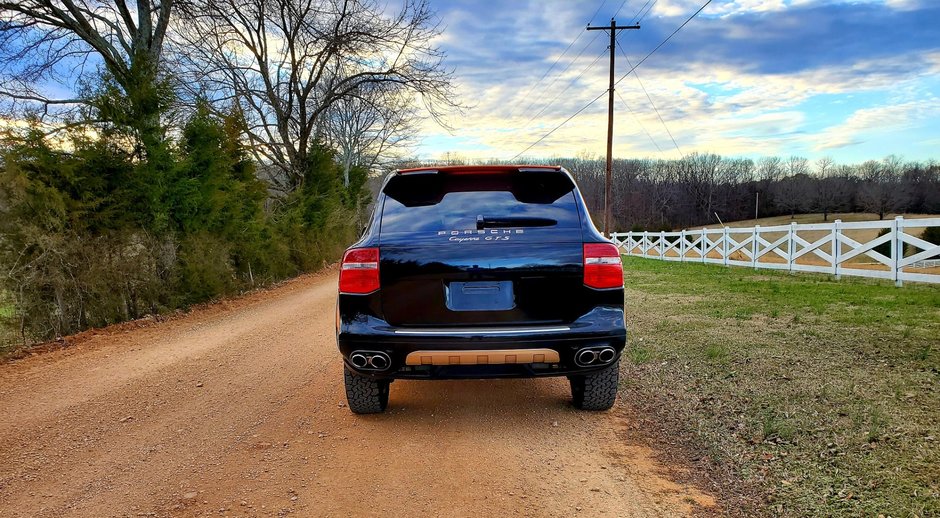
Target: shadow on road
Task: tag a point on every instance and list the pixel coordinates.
(480, 398)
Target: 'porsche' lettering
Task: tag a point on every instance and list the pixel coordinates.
(480, 232)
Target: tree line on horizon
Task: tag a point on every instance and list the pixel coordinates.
(700, 188)
(703, 187)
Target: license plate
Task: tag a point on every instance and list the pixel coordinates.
(480, 296)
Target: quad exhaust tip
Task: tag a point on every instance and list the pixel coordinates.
(370, 360)
(586, 356)
(359, 360)
(594, 356)
(379, 361)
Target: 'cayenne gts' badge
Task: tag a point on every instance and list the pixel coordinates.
(493, 234)
(479, 232)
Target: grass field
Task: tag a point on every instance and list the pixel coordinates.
(803, 395)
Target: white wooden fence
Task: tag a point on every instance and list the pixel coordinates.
(836, 248)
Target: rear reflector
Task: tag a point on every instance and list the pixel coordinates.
(359, 272)
(602, 266)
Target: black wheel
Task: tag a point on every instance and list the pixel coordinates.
(365, 395)
(597, 390)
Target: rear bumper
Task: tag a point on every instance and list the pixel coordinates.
(601, 327)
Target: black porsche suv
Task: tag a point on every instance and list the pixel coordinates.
(480, 272)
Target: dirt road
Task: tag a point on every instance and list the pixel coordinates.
(238, 409)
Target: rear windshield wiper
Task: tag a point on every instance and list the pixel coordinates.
(514, 221)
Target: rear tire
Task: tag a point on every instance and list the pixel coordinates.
(365, 395)
(597, 390)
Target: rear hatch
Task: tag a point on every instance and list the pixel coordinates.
(480, 248)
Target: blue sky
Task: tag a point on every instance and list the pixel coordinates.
(852, 80)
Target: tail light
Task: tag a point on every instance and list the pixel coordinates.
(359, 273)
(602, 266)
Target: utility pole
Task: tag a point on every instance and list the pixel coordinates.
(610, 115)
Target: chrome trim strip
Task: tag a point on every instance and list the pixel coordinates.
(478, 331)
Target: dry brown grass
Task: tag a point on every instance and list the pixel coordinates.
(802, 396)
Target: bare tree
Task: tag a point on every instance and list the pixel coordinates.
(287, 62)
(791, 193)
(49, 41)
(796, 165)
(702, 174)
(921, 187)
(374, 126)
(881, 190)
(831, 188)
(769, 169)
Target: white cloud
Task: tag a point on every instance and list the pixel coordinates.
(877, 119)
(755, 114)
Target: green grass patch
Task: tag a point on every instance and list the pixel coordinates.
(823, 396)
(7, 327)
(716, 352)
(639, 355)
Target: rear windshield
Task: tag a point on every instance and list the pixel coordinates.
(442, 201)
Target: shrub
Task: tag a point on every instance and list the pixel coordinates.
(205, 268)
(930, 235)
(884, 248)
(98, 233)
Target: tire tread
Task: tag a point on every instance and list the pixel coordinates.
(597, 390)
(365, 395)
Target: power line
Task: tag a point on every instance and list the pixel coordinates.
(640, 19)
(638, 11)
(634, 67)
(618, 9)
(640, 124)
(648, 97)
(599, 10)
(552, 67)
(533, 85)
(679, 28)
(562, 73)
(543, 137)
(570, 84)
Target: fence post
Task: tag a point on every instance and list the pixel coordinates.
(662, 244)
(682, 245)
(754, 245)
(704, 243)
(645, 247)
(790, 259)
(836, 248)
(897, 249)
(724, 245)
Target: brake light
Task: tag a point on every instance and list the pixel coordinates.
(359, 272)
(602, 266)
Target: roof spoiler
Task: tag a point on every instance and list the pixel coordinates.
(468, 169)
